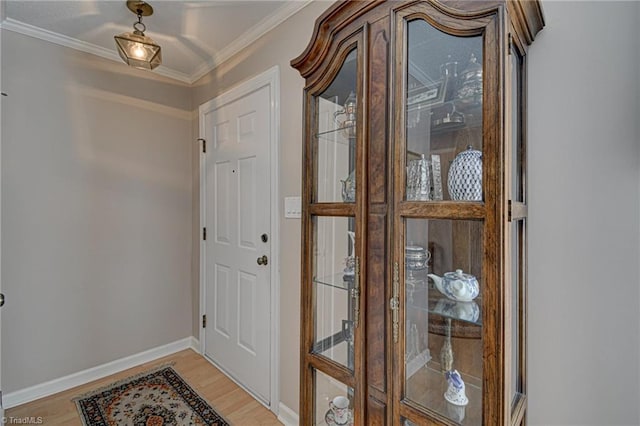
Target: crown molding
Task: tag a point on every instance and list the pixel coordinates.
(56, 38)
(286, 11)
(245, 40)
(15, 26)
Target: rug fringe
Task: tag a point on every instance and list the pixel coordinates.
(122, 381)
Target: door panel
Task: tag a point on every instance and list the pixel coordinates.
(221, 300)
(247, 288)
(222, 203)
(247, 207)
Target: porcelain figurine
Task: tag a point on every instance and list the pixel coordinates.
(455, 393)
(457, 285)
(465, 176)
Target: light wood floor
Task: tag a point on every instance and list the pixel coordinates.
(236, 405)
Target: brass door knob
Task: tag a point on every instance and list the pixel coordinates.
(263, 260)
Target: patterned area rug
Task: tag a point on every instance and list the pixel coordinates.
(154, 398)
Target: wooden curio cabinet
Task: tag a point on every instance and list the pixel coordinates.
(414, 285)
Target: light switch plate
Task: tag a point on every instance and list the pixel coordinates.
(292, 207)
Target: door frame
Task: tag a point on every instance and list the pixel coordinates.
(270, 78)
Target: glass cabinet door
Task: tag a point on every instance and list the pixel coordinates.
(517, 230)
(336, 130)
(444, 95)
(332, 274)
(440, 277)
(443, 317)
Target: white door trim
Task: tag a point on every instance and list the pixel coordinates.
(270, 78)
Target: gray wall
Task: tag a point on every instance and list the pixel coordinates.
(96, 211)
(584, 213)
(277, 47)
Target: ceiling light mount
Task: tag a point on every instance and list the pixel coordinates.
(136, 49)
(140, 8)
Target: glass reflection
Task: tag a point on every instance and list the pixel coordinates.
(444, 115)
(333, 280)
(336, 131)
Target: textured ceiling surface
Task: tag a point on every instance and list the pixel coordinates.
(194, 35)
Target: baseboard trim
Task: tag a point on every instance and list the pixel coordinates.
(287, 416)
(195, 345)
(42, 390)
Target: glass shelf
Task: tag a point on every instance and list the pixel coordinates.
(339, 281)
(437, 304)
(427, 388)
(347, 131)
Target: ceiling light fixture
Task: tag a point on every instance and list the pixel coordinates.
(136, 49)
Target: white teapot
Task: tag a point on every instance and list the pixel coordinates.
(457, 285)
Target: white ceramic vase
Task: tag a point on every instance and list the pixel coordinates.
(465, 176)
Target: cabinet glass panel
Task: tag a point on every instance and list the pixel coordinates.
(443, 115)
(333, 278)
(443, 317)
(517, 308)
(517, 146)
(335, 135)
(333, 401)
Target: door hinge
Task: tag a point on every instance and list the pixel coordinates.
(510, 45)
(509, 211)
(204, 145)
(204, 321)
(204, 234)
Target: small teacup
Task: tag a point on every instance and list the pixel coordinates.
(340, 408)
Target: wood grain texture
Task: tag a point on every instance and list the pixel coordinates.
(377, 167)
(227, 398)
(376, 413)
(376, 303)
(327, 27)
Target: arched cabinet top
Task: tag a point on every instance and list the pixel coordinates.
(526, 15)
(334, 19)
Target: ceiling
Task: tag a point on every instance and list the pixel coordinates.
(195, 35)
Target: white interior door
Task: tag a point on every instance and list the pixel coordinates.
(2, 5)
(238, 243)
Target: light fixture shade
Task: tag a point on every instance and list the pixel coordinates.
(138, 50)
